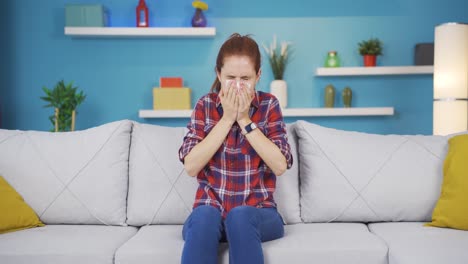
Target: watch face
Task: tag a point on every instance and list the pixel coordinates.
(250, 127)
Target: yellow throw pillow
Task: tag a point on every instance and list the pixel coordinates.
(15, 214)
(452, 208)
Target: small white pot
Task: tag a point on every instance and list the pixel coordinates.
(279, 88)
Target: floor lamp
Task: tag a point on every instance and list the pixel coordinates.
(450, 78)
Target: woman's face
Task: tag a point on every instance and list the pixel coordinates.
(238, 71)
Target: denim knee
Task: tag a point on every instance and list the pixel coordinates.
(242, 217)
(203, 220)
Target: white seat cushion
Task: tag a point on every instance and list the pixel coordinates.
(303, 243)
(360, 177)
(58, 244)
(325, 243)
(70, 177)
(153, 244)
(411, 243)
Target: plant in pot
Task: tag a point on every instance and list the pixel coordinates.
(279, 58)
(64, 98)
(370, 49)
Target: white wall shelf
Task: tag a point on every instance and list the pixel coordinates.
(379, 70)
(288, 112)
(351, 111)
(164, 113)
(140, 32)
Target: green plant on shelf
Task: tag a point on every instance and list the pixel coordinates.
(64, 98)
(372, 46)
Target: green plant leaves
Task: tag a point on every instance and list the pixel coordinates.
(66, 99)
(372, 46)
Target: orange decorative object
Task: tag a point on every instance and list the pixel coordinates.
(142, 14)
(171, 82)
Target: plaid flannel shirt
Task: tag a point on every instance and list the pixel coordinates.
(236, 175)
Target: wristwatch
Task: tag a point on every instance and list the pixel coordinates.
(248, 128)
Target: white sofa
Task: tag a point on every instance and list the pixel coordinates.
(117, 193)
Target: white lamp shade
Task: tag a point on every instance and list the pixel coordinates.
(450, 78)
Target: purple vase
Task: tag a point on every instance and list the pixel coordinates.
(198, 19)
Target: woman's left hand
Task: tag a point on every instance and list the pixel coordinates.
(244, 99)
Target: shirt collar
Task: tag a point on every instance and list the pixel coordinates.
(255, 102)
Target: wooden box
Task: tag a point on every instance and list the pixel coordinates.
(171, 99)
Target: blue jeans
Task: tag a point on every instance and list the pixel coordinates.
(245, 228)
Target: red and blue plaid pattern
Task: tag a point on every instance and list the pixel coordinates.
(236, 175)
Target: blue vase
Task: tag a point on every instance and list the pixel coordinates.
(198, 19)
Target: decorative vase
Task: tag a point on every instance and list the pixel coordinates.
(332, 59)
(347, 96)
(370, 60)
(329, 96)
(142, 14)
(279, 88)
(198, 19)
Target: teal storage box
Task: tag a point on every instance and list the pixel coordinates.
(86, 15)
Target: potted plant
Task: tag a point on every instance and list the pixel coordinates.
(278, 58)
(370, 49)
(64, 99)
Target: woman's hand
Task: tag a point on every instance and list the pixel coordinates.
(230, 103)
(245, 99)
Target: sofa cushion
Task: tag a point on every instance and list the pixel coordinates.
(70, 177)
(15, 213)
(161, 192)
(286, 194)
(325, 243)
(411, 243)
(452, 207)
(303, 243)
(161, 243)
(352, 176)
(58, 244)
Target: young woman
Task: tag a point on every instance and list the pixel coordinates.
(236, 146)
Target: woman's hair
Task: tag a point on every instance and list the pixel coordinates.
(236, 44)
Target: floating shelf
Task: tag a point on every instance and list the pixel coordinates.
(140, 31)
(164, 113)
(351, 111)
(379, 70)
(288, 112)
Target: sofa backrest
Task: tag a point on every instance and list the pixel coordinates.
(70, 177)
(161, 192)
(352, 176)
(287, 185)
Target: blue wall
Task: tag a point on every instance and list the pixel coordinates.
(118, 74)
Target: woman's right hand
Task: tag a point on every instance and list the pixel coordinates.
(230, 103)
